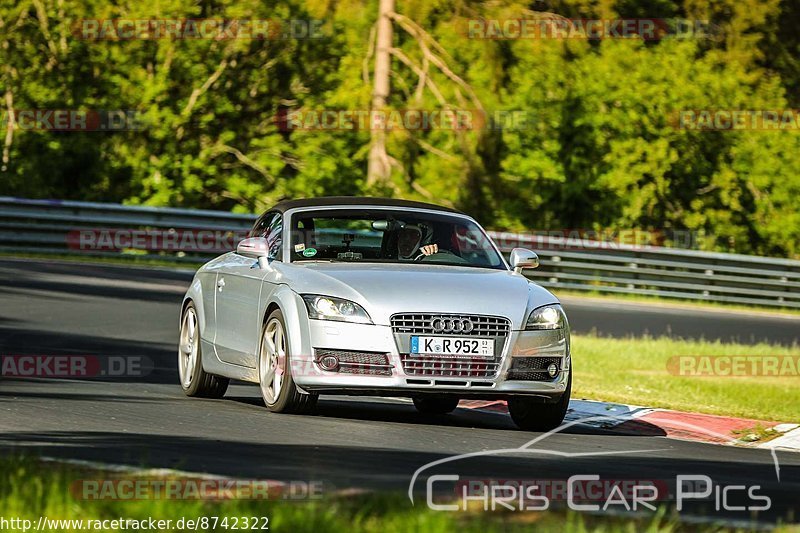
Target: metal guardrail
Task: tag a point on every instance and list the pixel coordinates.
(54, 226)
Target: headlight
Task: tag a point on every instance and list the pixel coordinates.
(547, 317)
(329, 308)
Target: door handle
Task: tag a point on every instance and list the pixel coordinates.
(220, 284)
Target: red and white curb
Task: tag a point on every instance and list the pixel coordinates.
(638, 420)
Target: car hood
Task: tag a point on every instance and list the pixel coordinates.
(384, 289)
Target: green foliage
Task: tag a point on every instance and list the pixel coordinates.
(600, 148)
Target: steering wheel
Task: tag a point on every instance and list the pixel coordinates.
(421, 256)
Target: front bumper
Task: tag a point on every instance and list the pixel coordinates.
(331, 336)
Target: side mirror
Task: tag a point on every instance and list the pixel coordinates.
(255, 248)
(523, 258)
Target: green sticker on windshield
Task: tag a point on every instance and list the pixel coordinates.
(309, 252)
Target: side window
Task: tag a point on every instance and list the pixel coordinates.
(260, 225)
(270, 226)
(274, 236)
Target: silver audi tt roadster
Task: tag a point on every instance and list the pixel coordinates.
(381, 297)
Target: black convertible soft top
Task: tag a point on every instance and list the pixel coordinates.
(328, 201)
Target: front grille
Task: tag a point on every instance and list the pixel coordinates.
(420, 324)
(405, 325)
(532, 368)
(454, 367)
(362, 363)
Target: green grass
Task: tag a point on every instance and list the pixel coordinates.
(30, 489)
(634, 371)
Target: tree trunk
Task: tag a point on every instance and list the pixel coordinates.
(378, 165)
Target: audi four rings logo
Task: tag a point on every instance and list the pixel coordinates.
(452, 325)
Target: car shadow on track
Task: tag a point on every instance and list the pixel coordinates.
(370, 409)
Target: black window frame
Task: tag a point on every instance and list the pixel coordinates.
(262, 228)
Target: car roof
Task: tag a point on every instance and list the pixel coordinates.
(331, 201)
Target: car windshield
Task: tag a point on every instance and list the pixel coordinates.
(389, 236)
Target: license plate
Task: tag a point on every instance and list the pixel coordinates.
(483, 348)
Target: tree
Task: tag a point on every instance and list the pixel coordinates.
(379, 167)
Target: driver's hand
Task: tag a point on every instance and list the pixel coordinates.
(429, 249)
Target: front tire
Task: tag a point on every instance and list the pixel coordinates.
(274, 370)
(194, 380)
(530, 415)
(435, 405)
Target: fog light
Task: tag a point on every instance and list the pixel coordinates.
(329, 362)
(552, 369)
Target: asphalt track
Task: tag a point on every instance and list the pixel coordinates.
(61, 308)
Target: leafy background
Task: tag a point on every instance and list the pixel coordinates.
(600, 153)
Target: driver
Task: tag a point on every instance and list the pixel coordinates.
(409, 241)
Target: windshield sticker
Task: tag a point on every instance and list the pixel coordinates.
(299, 247)
(309, 252)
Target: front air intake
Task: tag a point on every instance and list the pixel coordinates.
(533, 368)
(351, 362)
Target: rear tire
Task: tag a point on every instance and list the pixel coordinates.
(274, 370)
(530, 415)
(436, 405)
(194, 380)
